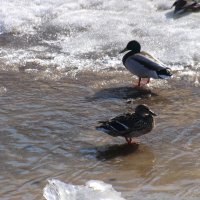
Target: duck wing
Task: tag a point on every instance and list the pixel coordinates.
(121, 125)
(148, 62)
(146, 66)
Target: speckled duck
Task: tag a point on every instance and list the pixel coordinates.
(129, 125)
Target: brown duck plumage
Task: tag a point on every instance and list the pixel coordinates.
(129, 125)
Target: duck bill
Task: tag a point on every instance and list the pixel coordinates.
(123, 50)
(154, 114)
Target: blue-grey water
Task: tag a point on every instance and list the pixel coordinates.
(60, 72)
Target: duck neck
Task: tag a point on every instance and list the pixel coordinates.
(127, 55)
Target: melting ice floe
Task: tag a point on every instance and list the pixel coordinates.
(92, 190)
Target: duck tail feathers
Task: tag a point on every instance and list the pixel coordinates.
(107, 129)
(164, 73)
(102, 129)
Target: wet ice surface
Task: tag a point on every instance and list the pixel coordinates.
(98, 190)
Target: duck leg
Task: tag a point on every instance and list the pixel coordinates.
(148, 80)
(129, 140)
(139, 81)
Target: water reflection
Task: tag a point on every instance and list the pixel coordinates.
(125, 159)
(123, 93)
(110, 152)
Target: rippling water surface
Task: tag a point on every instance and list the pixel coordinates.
(60, 72)
(47, 130)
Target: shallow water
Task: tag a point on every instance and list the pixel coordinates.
(47, 131)
(60, 73)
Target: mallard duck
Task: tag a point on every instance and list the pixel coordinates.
(129, 125)
(185, 5)
(143, 64)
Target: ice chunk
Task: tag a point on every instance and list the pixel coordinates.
(93, 190)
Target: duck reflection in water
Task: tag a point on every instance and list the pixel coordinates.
(110, 152)
(139, 158)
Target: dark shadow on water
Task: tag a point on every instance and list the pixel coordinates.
(111, 152)
(171, 14)
(138, 158)
(108, 152)
(123, 93)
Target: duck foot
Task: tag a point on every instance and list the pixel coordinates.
(131, 141)
(139, 82)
